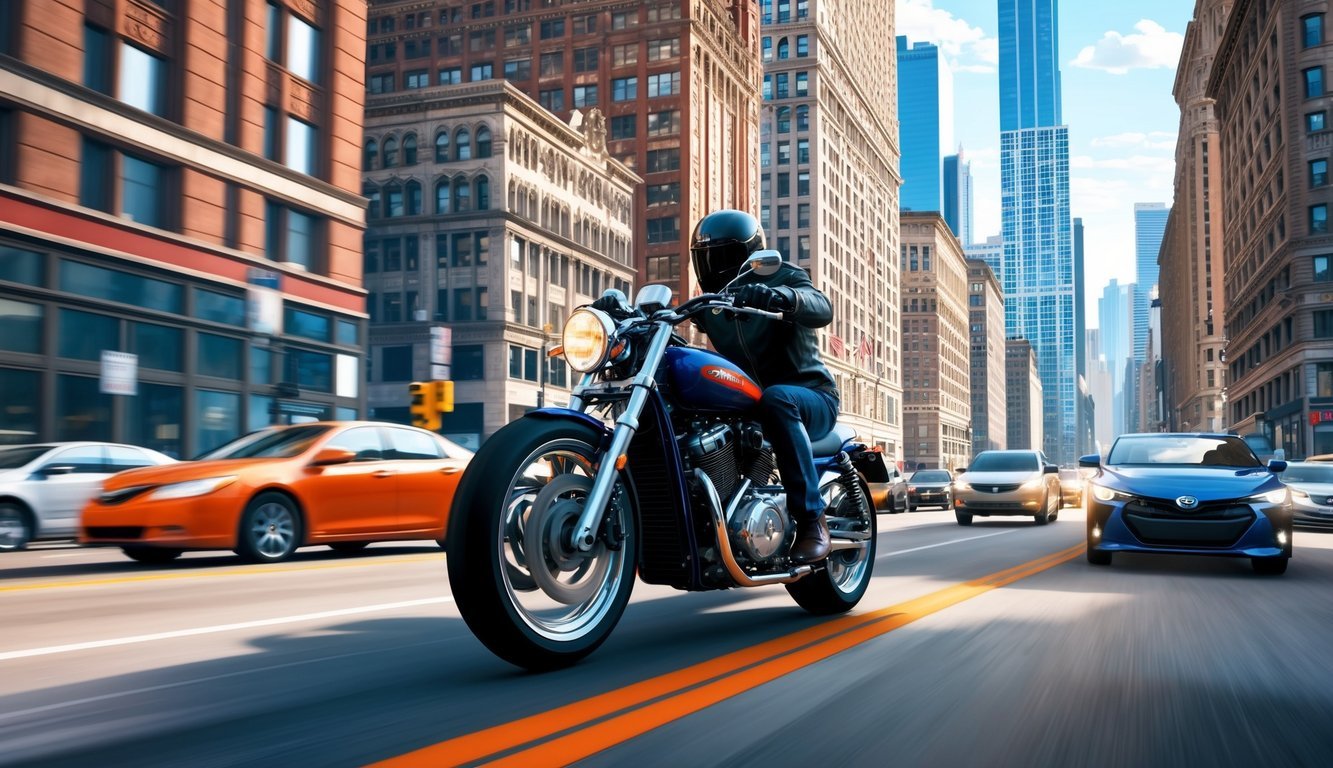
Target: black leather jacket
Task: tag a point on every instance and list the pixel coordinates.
(776, 351)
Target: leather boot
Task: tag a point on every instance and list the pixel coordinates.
(812, 542)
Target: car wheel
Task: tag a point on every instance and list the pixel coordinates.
(270, 529)
(1055, 509)
(349, 547)
(1270, 566)
(963, 518)
(151, 555)
(1043, 517)
(15, 527)
(1097, 556)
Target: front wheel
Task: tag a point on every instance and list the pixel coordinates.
(270, 529)
(15, 531)
(963, 518)
(1044, 516)
(839, 585)
(530, 598)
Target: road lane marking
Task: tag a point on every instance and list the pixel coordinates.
(946, 543)
(233, 571)
(610, 718)
(134, 639)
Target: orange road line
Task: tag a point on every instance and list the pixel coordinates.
(717, 679)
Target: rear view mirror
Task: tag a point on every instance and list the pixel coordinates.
(651, 298)
(328, 457)
(960, 470)
(765, 263)
(1092, 460)
(1277, 466)
(1051, 469)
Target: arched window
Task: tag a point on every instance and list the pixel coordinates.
(393, 201)
(410, 149)
(372, 194)
(372, 155)
(413, 199)
(442, 196)
(390, 152)
(784, 119)
(462, 195)
(483, 142)
(784, 48)
(802, 118)
(442, 147)
(483, 185)
(463, 144)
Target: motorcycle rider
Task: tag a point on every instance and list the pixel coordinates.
(800, 398)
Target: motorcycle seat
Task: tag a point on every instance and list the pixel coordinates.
(830, 444)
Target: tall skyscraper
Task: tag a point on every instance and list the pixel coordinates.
(1149, 227)
(1038, 270)
(1115, 322)
(925, 124)
(829, 191)
(1080, 310)
(958, 196)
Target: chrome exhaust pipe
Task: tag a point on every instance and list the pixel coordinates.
(724, 544)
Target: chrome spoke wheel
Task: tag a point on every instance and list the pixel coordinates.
(273, 530)
(560, 593)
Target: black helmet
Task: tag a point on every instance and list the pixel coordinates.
(722, 241)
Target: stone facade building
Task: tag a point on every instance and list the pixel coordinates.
(1022, 388)
(1269, 79)
(157, 160)
(985, 306)
(491, 219)
(937, 392)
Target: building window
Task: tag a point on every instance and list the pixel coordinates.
(784, 49)
(664, 84)
(396, 363)
(469, 363)
(766, 49)
(483, 185)
(483, 142)
(302, 49)
(802, 84)
(463, 144)
(1319, 218)
(1312, 30)
(518, 69)
(802, 151)
(482, 40)
(417, 78)
(586, 59)
(663, 160)
(1314, 82)
(553, 99)
(97, 59)
(142, 80)
(442, 146)
(382, 83)
(780, 88)
(664, 230)
(585, 96)
(1322, 273)
(482, 71)
(413, 191)
(299, 147)
(625, 55)
(802, 46)
(126, 185)
(442, 196)
(624, 19)
(518, 35)
(624, 89)
(665, 123)
(623, 127)
(290, 235)
(1323, 323)
(803, 118)
(552, 64)
(664, 194)
(1319, 173)
(552, 28)
(1323, 379)
(410, 149)
(662, 50)
(450, 76)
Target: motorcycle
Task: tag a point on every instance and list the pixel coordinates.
(558, 512)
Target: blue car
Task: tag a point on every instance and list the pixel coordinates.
(1191, 494)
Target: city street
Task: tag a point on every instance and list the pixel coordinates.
(990, 645)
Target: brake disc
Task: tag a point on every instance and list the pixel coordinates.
(546, 537)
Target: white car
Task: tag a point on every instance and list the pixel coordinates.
(43, 488)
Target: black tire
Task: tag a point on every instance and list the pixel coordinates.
(1270, 566)
(349, 547)
(151, 555)
(841, 582)
(1043, 517)
(963, 518)
(270, 530)
(481, 577)
(1055, 509)
(15, 527)
(1097, 556)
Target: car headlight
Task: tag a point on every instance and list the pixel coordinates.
(1272, 497)
(586, 339)
(962, 485)
(1102, 493)
(190, 488)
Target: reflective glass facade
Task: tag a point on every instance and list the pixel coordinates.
(1149, 227)
(925, 124)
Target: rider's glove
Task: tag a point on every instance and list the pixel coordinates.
(761, 296)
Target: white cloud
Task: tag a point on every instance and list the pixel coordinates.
(1152, 47)
(1137, 140)
(967, 48)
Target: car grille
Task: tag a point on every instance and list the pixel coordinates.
(118, 532)
(1211, 525)
(995, 505)
(996, 487)
(121, 495)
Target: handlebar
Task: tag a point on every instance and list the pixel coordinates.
(709, 300)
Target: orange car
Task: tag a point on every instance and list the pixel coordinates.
(344, 484)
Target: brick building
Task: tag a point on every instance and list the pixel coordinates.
(985, 305)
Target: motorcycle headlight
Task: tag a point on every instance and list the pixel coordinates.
(190, 488)
(1102, 493)
(1271, 497)
(586, 339)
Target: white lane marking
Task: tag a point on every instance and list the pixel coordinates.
(68, 554)
(211, 678)
(10, 655)
(943, 543)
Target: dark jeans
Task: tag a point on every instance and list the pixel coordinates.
(791, 417)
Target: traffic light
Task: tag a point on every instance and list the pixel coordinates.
(425, 406)
(444, 396)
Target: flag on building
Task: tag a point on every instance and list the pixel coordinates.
(865, 349)
(835, 345)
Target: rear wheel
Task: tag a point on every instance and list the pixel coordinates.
(152, 555)
(15, 527)
(839, 585)
(1270, 566)
(270, 529)
(349, 547)
(963, 518)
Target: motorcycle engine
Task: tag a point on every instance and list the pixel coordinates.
(758, 527)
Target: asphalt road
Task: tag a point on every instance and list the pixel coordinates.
(341, 661)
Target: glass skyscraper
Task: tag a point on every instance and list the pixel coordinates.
(1149, 228)
(958, 196)
(925, 124)
(1038, 269)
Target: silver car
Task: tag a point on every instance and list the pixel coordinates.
(1311, 487)
(1007, 483)
(44, 488)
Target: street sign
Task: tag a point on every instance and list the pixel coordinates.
(120, 373)
(441, 352)
(264, 302)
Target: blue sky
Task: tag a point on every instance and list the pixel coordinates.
(1118, 62)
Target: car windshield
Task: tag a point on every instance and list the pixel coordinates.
(931, 476)
(1004, 462)
(1308, 473)
(13, 458)
(276, 443)
(1182, 450)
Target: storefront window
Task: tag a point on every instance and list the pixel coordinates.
(307, 324)
(98, 283)
(82, 411)
(21, 393)
(83, 335)
(20, 266)
(260, 414)
(348, 333)
(155, 419)
(219, 307)
(158, 346)
(20, 326)
(219, 356)
(218, 419)
(261, 366)
(310, 370)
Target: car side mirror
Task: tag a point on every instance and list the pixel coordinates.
(1050, 469)
(51, 470)
(1277, 466)
(960, 470)
(328, 457)
(1092, 460)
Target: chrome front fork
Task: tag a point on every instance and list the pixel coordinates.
(585, 532)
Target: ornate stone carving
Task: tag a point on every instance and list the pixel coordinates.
(594, 127)
(300, 99)
(145, 25)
